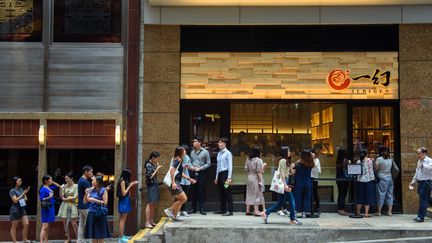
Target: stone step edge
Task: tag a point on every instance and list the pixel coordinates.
(407, 239)
(145, 234)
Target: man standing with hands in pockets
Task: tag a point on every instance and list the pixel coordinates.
(201, 162)
(223, 178)
(423, 176)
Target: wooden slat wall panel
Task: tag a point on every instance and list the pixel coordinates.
(85, 78)
(21, 76)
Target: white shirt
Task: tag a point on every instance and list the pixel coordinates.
(316, 170)
(423, 170)
(224, 162)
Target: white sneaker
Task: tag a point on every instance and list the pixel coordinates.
(285, 212)
(280, 213)
(184, 214)
(169, 213)
(178, 219)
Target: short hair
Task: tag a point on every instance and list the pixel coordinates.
(200, 140)
(223, 140)
(255, 153)
(45, 178)
(423, 150)
(86, 168)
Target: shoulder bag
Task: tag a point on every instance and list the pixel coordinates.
(167, 179)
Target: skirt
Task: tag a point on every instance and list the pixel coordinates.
(16, 213)
(124, 205)
(177, 191)
(153, 195)
(96, 227)
(63, 210)
(366, 194)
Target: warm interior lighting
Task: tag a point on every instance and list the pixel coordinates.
(105, 178)
(111, 178)
(284, 2)
(118, 135)
(42, 135)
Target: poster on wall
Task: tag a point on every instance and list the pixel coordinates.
(289, 75)
(16, 16)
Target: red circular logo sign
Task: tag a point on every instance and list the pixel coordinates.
(338, 79)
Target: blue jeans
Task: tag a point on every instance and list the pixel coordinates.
(282, 198)
(424, 192)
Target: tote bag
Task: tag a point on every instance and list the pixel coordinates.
(277, 184)
(167, 179)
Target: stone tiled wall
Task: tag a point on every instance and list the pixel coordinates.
(161, 108)
(415, 63)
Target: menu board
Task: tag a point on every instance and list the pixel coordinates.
(16, 16)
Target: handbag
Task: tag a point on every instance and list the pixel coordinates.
(167, 179)
(101, 211)
(277, 184)
(46, 204)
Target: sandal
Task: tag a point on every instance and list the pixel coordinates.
(377, 214)
(264, 216)
(148, 226)
(296, 222)
(153, 224)
(389, 214)
(257, 214)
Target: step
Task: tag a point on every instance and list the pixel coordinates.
(155, 235)
(394, 240)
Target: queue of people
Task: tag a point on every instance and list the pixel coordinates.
(83, 208)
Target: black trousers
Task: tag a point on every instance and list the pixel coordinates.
(186, 191)
(224, 193)
(315, 196)
(343, 191)
(197, 190)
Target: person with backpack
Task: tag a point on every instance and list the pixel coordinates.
(124, 206)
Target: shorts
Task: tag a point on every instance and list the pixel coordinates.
(16, 213)
(176, 191)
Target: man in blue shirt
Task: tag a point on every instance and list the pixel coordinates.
(83, 183)
(223, 178)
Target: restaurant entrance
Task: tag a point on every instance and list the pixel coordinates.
(329, 125)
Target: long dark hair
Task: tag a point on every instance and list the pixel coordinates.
(284, 151)
(152, 155)
(179, 151)
(363, 154)
(125, 176)
(14, 180)
(255, 153)
(341, 156)
(306, 159)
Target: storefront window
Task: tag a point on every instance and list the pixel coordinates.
(373, 127)
(24, 164)
(21, 20)
(63, 161)
(297, 125)
(87, 21)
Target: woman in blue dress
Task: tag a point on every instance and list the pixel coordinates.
(46, 197)
(97, 223)
(124, 206)
(303, 180)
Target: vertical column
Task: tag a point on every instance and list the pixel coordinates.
(161, 107)
(131, 101)
(415, 65)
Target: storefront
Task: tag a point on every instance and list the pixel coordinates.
(307, 86)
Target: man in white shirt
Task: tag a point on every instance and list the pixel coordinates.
(423, 177)
(223, 178)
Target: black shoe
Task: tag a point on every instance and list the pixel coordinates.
(418, 220)
(228, 213)
(219, 212)
(202, 212)
(192, 211)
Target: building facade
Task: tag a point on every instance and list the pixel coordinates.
(107, 82)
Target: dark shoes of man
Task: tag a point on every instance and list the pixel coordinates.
(228, 214)
(219, 212)
(202, 212)
(192, 211)
(418, 220)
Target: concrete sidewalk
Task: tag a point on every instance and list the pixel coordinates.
(328, 228)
